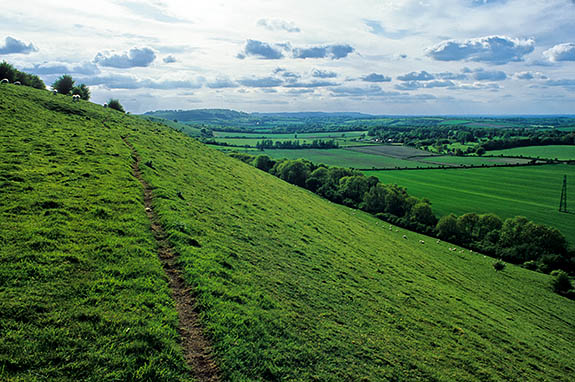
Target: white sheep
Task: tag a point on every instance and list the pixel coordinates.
(17, 83)
(76, 98)
(105, 105)
(5, 81)
(405, 237)
(421, 242)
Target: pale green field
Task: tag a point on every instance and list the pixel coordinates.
(544, 152)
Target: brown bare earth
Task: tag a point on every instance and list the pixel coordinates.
(196, 348)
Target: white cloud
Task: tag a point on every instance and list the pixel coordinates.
(561, 52)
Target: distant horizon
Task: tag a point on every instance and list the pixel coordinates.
(371, 115)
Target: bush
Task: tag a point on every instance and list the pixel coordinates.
(116, 105)
(64, 84)
(499, 265)
(12, 74)
(531, 265)
(83, 91)
(560, 283)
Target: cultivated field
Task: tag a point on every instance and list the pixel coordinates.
(528, 191)
(345, 158)
(544, 152)
(344, 139)
(394, 151)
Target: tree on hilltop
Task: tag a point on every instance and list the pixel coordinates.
(64, 84)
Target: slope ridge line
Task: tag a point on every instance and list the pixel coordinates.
(196, 347)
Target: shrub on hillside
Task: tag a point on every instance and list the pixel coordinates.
(499, 265)
(64, 84)
(116, 105)
(12, 74)
(83, 91)
(560, 283)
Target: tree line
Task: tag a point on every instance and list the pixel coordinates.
(296, 145)
(516, 240)
(12, 74)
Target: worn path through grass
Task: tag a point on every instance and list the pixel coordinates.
(197, 349)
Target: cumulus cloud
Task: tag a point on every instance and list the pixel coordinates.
(478, 3)
(221, 83)
(566, 83)
(135, 57)
(13, 46)
(58, 68)
(261, 50)
(131, 82)
(375, 77)
(413, 85)
(529, 76)
(479, 86)
(334, 52)
(493, 49)
(417, 76)
(489, 75)
(451, 76)
(290, 76)
(278, 25)
(264, 82)
(312, 84)
(561, 52)
(317, 73)
(169, 59)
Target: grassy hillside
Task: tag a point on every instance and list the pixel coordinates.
(288, 286)
(533, 192)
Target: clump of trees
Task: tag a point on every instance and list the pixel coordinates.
(561, 284)
(296, 145)
(12, 74)
(116, 105)
(516, 240)
(65, 84)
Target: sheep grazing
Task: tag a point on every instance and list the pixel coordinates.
(105, 106)
(5, 81)
(76, 98)
(421, 242)
(17, 83)
(55, 92)
(438, 241)
(405, 237)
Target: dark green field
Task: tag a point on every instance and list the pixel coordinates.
(289, 287)
(533, 192)
(547, 152)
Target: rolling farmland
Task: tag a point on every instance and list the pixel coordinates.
(527, 191)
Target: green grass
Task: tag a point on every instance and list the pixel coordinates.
(527, 191)
(290, 287)
(345, 158)
(82, 293)
(544, 152)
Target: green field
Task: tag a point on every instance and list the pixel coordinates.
(288, 286)
(544, 152)
(473, 161)
(527, 191)
(345, 158)
(349, 138)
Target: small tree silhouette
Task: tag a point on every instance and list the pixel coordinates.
(83, 91)
(116, 105)
(64, 84)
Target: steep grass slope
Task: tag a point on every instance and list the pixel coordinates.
(289, 286)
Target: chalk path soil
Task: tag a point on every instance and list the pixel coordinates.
(196, 348)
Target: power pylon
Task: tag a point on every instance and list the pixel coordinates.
(563, 202)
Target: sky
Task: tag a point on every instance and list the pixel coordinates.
(412, 57)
